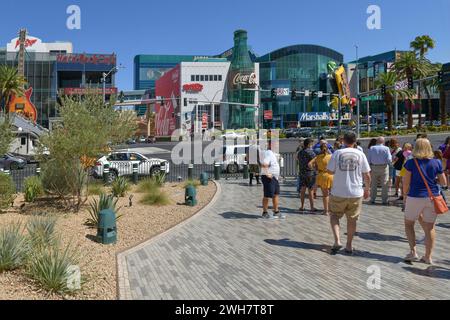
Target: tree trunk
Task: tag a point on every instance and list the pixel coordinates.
(410, 115)
(430, 111)
(388, 102)
(419, 97)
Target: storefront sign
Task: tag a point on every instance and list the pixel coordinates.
(268, 115)
(313, 116)
(194, 87)
(86, 59)
(246, 79)
(83, 91)
(205, 121)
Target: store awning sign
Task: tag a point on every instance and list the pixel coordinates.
(193, 87)
(313, 116)
(268, 115)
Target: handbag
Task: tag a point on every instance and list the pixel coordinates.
(440, 206)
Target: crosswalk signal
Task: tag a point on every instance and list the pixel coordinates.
(410, 83)
(441, 77)
(293, 94)
(273, 94)
(383, 90)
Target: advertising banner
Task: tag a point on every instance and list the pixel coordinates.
(320, 116)
(168, 88)
(268, 115)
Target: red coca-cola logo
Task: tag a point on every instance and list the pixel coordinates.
(193, 87)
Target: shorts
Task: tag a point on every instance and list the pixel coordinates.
(350, 207)
(307, 182)
(271, 187)
(416, 207)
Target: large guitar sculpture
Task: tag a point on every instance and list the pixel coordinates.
(22, 105)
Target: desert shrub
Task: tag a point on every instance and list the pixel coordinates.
(33, 188)
(160, 178)
(41, 231)
(155, 198)
(95, 189)
(120, 187)
(147, 185)
(7, 191)
(194, 183)
(51, 268)
(96, 206)
(13, 247)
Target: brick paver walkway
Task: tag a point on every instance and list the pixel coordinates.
(228, 252)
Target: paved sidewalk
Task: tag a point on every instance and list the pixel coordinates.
(230, 253)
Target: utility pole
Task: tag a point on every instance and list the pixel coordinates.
(358, 111)
(339, 115)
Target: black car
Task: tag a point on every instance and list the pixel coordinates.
(11, 162)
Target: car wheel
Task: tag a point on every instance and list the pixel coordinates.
(112, 176)
(14, 166)
(155, 171)
(232, 168)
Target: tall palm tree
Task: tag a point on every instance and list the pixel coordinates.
(409, 65)
(11, 83)
(389, 79)
(422, 44)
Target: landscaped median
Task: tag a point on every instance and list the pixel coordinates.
(145, 211)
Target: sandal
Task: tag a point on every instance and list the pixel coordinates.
(335, 250)
(423, 260)
(411, 258)
(349, 252)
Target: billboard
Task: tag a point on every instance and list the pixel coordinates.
(168, 88)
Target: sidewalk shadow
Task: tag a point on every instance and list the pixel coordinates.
(299, 245)
(443, 225)
(431, 272)
(238, 215)
(373, 236)
(327, 249)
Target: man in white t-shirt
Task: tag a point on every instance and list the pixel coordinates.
(270, 175)
(351, 171)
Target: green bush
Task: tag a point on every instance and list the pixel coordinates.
(41, 231)
(7, 191)
(104, 202)
(147, 185)
(51, 268)
(160, 178)
(13, 248)
(120, 187)
(33, 188)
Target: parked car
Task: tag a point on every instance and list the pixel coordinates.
(142, 139)
(131, 141)
(121, 164)
(290, 133)
(12, 162)
(234, 158)
(151, 139)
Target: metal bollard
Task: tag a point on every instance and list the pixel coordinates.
(135, 173)
(217, 171)
(246, 172)
(106, 171)
(191, 172)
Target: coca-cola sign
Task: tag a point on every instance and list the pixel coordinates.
(246, 79)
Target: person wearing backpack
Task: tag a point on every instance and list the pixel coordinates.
(423, 199)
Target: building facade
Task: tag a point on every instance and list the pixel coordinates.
(53, 70)
(297, 67)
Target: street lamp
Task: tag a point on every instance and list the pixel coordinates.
(358, 111)
(104, 76)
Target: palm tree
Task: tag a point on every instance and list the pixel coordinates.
(11, 83)
(421, 45)
(409, 65)
(431, 84)
(389, 79)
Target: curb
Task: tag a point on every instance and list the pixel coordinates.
(123, 280)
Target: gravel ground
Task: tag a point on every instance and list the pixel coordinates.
(98, 262)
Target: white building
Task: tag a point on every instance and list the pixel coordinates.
(33, 44)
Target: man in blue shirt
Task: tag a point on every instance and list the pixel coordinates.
(379, 159)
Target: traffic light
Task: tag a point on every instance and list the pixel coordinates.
(383, 90)
(441, 77)
(313, 94)
(121, 97)
(410, 83)
(273, 94)
(293, 94)
(162, 101)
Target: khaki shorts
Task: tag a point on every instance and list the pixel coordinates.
(350, 207)
(416, 207)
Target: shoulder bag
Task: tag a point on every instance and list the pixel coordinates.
(440, 206)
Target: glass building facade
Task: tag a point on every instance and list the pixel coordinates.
(298, 67)
(41, 74)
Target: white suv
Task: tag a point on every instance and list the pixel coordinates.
(121, 164)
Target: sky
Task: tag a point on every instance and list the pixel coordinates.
(205, 27)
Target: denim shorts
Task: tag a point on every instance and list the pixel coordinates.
(271, 187)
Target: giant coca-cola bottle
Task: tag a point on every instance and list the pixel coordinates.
(241, 76)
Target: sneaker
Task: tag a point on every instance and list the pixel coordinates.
(279, 215)
(268, 216)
